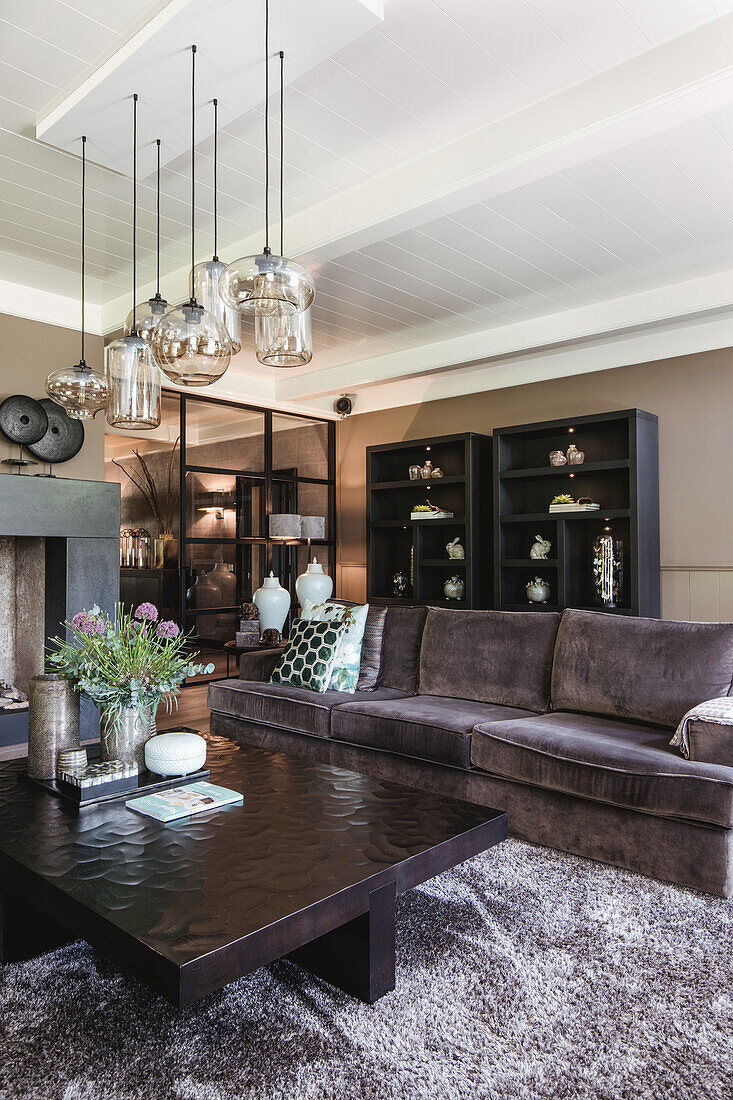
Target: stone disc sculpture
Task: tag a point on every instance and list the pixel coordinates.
(64, 437)
(23, 419)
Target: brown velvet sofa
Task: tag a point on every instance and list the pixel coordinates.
(564, 721)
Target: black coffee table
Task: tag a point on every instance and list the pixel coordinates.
(308, 867)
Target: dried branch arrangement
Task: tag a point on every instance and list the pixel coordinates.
(162, 505)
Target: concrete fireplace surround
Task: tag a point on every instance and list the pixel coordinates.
(59, 552)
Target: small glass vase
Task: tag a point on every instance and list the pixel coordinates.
(123, 735)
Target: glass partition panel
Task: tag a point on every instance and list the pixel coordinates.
(225, 437)
(146, 466)
(220, 578)
(300, 445)
(223, 506)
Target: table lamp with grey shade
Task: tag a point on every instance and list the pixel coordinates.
(284, 525)
(312, 527)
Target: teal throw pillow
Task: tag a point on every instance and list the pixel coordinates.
(309, 656)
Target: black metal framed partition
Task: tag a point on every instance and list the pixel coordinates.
(237, 464)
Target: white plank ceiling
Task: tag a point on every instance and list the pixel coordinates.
(642, 216)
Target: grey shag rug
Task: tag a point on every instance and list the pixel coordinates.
(524, 973)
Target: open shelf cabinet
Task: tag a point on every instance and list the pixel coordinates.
(620, 472)
(418, 547)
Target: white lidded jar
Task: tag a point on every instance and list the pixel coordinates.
(314, 584)
(273, 603)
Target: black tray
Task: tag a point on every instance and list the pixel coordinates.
(147, 783)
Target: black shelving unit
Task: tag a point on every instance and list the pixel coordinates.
(620, 472)
(418, 547)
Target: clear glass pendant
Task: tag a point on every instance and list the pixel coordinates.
(82, 391)
(191, 346)
(266, 285)
(284, 340)
(134, 384)
(206, 291)
(145, 318)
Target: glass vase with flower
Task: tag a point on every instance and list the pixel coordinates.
(127, 664)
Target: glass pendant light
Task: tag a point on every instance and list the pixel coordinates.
(283, 339)
(133, 378)
(191, 345)
(144, 318)
(206, 276)
(81, 390)
(267, 284)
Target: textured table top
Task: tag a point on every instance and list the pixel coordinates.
(305, 832)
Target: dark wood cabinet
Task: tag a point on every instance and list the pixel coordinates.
(620, 472)
(418, 547)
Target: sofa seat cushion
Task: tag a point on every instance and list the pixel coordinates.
(289, 708)
(424, 726)
(606, 760)
(643, 670)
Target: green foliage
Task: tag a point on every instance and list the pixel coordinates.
(123, 662)
(563, 498)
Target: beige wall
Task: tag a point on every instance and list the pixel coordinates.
(693, 398)
(30, 351)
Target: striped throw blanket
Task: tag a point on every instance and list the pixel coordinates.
(719, 712)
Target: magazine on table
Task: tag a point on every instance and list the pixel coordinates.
(178, 802)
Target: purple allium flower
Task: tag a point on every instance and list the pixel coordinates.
(167, 629)
(147, 611)
(86, 623)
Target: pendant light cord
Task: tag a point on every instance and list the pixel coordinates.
(282, 151)
(157, 226)
(134, 213)
(193, 167)
(216, 156)
(267, 127)
(83, 240)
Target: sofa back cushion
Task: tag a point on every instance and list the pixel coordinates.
(401, 648)
(646, 670)
(502, 657)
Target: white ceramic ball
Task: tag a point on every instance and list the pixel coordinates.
(175, 753)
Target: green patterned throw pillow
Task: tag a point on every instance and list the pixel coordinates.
(310, 654)
(345, 673)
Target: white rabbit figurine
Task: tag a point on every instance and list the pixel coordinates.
(540, 549)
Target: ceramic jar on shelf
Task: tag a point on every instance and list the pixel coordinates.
(454, 588)
(538, 590)
(574, 456)
(557, 458)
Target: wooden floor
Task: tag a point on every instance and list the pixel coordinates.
(192, 712)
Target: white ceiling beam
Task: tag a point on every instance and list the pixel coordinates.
(668, 85)
(664, 87)
(48, 307)
(690, 302)
(667, 342)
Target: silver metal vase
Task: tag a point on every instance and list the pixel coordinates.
(123, 736)
(53, 722)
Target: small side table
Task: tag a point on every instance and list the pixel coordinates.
(233, 650)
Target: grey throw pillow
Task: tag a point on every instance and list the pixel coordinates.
(370, 667)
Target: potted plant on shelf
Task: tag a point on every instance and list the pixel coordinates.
(126, 665)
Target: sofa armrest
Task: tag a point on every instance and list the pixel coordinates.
(710, 742)
(259, 664)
